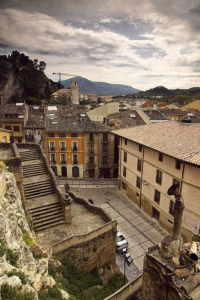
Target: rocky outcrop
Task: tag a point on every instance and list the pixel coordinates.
(13, 229)
(20, 80)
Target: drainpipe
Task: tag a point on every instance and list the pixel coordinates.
(182, 177)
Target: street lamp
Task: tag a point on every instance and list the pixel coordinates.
(123, 253)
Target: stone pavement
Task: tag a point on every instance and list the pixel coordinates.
(139, 229)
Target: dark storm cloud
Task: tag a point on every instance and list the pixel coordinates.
(116, 39)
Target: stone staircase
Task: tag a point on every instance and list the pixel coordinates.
(44, 206)
(47, 216)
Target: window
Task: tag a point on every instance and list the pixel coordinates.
(139, 165)
(104, 160)
(156, 214)
(124, 186)
(63, 158)
(91, 149)
(175, 181)
(140, 148)
(91, 158)
(125, 141)
(138, 182)
(16, 129)
(159, 177)
(105, 148)
(172, 208)
(178, 164)
(51, 134)
(91, 137)
(105, 136)
(75, 159)
(74, 146)
(52, 158)
(62, 135)
(74, 135)
(157, 197)
(160, 158)
(52, 146)
(125, 156)
(8, 127)
(62, 146)
(124, 172)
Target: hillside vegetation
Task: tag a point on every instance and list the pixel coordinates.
(23, 79)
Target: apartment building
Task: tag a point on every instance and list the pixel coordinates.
(13, 118)
(64, 138)
(99, 145)
(154, 157)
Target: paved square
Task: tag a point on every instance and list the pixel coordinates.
(139, 262)
(132, 231)
(136, 251)
(140, 238)
(126, 225)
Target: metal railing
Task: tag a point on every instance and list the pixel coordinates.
(62, 148)
(52, 149)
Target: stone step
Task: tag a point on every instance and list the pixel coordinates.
(36, 215)
(34, 174)
(41, 194)
(38, 187)
(35, 188)
(48, 221)
(43, 227)
(47, 218)
(34, 184)
(36, 209)
(39, 191)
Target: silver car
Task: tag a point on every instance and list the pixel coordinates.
(121, 242)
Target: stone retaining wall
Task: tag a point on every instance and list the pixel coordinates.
(92, 208)
(128, 291)
(95, 249)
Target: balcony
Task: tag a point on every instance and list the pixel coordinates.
(52, 149)
(29, 137)
(62, 148)
(105, 141)
(91, 152)
(105, 150)
(90, 141)
(75, 162)
(52, 162)
(63, 162)
(74, 149)
(105, 163)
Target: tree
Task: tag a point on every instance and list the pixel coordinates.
(35, 63)
(42, 66)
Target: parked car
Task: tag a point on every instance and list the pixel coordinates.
(121, 242)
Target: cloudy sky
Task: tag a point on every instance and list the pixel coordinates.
(142, 43)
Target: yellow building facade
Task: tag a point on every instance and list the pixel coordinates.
(66, 154)
(4, 135)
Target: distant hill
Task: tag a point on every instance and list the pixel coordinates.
(99, 88)
(162, 91)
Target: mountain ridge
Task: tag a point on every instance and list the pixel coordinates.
(99, 88)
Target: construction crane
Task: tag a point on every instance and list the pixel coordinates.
(63, 74)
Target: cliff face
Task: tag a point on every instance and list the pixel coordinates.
(15, 255)
(21, 80)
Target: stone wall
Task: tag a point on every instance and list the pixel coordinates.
(128, 291)
(96, 252)
(92, 208)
